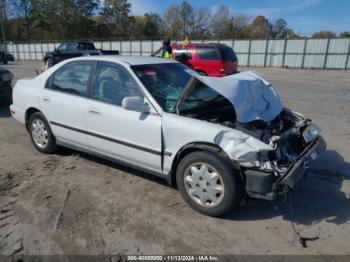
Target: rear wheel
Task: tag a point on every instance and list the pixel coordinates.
(40, 133)
(4, 62)
(208, 183)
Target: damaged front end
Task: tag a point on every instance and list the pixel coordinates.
(279, 155)
(272, 145)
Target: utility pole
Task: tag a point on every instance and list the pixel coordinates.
(2, 23)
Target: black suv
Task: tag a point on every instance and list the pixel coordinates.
(5, 85)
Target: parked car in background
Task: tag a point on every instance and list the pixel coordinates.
(74, 49)
(207, 59)
(217, 139)
(6, 57)
(5, 86)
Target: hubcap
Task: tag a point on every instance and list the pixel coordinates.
(39, 133)
(204, 184)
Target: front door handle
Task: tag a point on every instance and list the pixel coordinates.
(46, 99)
(95, 112)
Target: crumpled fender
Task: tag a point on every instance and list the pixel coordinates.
(240, 146)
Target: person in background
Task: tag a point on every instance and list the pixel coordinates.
(167, 52)
(186, 41)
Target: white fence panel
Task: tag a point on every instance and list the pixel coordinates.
(299, 53)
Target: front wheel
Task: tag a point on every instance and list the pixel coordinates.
(40, 134)
(208, 183)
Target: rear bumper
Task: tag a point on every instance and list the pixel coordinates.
(18, 114)
(265, 185)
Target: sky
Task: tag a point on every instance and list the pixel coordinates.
(304, 16)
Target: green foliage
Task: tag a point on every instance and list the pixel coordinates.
(116, 14)
(106, 19)
(324, 34)
(279, 29)
(152, 25)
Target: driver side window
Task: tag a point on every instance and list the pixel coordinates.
(113, 84)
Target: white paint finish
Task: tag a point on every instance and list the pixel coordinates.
(149, 132)
(252, 97)
(68, 110)
(136, 128)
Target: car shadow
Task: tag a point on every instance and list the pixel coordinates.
(317, 197)
(63, 151)
(4, 111)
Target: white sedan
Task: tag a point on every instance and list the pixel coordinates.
(216, 139)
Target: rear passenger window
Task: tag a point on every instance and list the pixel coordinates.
(208, 53)
(72, 78)
(182, 54)
(113, 83)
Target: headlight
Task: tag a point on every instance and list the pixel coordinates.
(311, 132)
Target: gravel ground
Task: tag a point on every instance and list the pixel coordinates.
(73, 203)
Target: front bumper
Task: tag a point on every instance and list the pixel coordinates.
(265, 185)
(297, 171)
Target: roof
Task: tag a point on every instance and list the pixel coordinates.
(131, 60)
(191, 45)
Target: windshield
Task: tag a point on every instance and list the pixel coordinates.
(167, 82)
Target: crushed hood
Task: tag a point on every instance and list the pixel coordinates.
(252, 97)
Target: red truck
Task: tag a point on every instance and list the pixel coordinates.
(207, 59)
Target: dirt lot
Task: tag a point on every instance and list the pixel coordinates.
(72, 203)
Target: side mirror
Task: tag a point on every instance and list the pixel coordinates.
(135, 103)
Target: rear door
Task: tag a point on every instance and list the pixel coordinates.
(129, 136)
(63, 102)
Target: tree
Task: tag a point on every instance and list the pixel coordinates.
(64, 19)
(116, 14)
(172, 19)
(260, 28)
(324, 34)
(344, 34)
(186, 12)
(23, 11)
(220, 22)
(201, 23)
(152, 25)
(279, 29)
(242, 28)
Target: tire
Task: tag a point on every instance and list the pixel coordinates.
(227, 185)
(41, 134)
(5, 62)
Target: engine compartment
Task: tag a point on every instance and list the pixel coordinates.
(284, 133)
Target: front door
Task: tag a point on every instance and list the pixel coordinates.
(132, 137)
